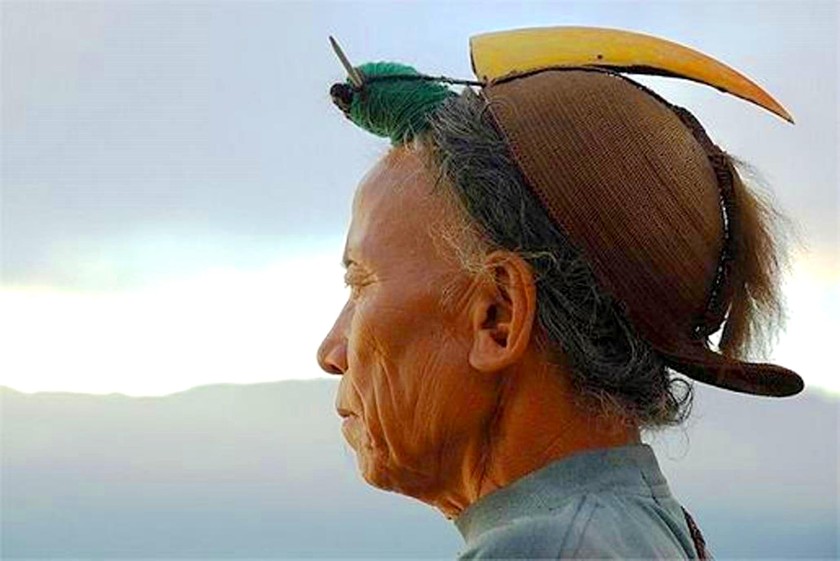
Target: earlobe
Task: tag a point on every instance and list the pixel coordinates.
(503, 311)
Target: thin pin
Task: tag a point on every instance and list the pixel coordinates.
(352, 73)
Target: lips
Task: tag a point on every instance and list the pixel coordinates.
(344, 413)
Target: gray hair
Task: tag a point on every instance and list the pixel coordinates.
(613, 370)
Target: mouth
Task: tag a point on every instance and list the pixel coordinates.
(348, 419)
(344, 413)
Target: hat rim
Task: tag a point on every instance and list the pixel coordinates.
(698, 362)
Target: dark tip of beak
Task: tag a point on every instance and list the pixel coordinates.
(342, 96)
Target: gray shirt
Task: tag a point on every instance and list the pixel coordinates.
(612, 503)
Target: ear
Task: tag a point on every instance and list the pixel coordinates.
(502, 312)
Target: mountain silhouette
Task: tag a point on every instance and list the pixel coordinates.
(261, 471)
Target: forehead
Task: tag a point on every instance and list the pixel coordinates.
(393, 210)
(392, 175)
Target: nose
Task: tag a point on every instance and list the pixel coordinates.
(332, 354)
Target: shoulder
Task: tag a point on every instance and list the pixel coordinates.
(601, 526)
(542, 536)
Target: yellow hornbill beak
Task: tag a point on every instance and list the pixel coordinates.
(506, 53)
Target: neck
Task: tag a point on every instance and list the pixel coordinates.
(538, 420)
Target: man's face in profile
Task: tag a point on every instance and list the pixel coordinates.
(401, 343)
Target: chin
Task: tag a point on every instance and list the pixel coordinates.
(378, 472)
(374, 469)
(381, 467)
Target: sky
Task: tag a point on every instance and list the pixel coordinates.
(176, 183)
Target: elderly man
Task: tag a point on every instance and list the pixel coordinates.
(530, 268)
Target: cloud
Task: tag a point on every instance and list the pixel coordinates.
(192, 122)
(265, 323)
(217, 326)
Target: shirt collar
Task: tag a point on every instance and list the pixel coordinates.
(633, 468)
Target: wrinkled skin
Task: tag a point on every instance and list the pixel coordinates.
(404, 359)
(446, 401)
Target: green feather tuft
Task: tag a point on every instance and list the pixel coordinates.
(396, 108)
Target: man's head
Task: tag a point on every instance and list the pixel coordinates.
(422, 343)
(520, 294)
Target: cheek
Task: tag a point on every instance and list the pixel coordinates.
(412, 394)
(409, 372)
(389, 356)
(367, 380)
